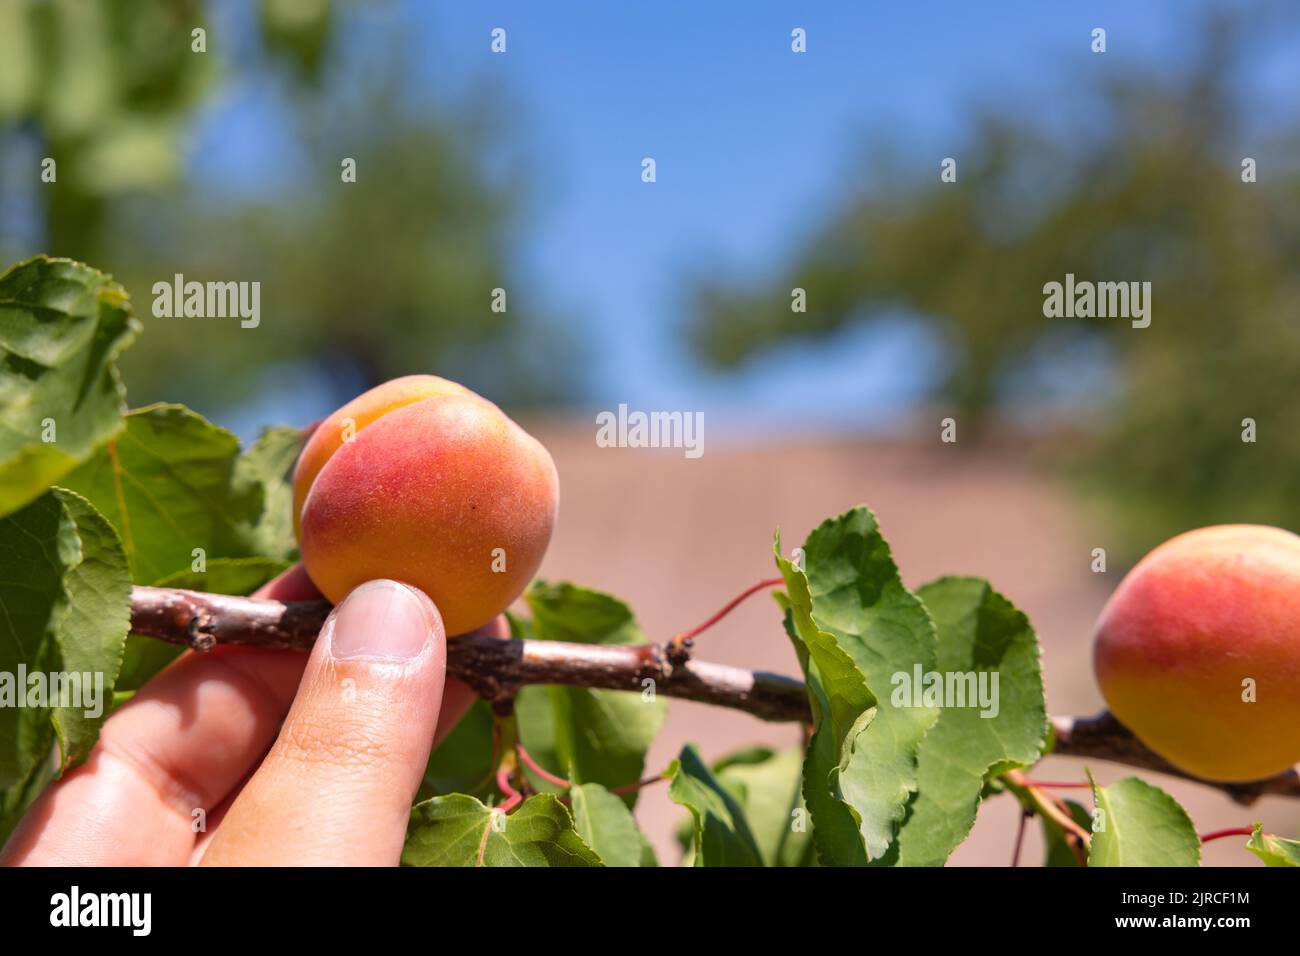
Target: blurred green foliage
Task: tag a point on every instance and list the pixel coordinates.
(1137, 178)
(107, 87)
(388, 275)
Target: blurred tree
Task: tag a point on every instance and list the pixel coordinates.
(387, 275)
(1143, 184)
(105, 88)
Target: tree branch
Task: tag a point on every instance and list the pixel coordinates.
(497, 667)
(1103, 737)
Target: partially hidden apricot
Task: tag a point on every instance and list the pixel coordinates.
(1198, 651)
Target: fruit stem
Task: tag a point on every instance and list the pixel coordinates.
(513, 796)
(538, 769)
(627, 788)
(1025, 814)
(1233, 831)
(505, 750)
(1055, 785)
(679, 641)
(1051, 807)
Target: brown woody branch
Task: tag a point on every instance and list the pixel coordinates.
(1102, 737)
(497, 667)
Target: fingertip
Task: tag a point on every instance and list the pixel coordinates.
(385, 620)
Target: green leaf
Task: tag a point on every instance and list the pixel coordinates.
(1056, 851)
(65, 601)
(462, 763)
(1136, 824)
(589, 736)
(458, 830)
(170, 484)
(766, 785)
(92, 630)
(16, 799)
(997, 727)
(269, 462)
(227, 575)
(146, 656)
(62, 326)
(856, 626)
(722, 834)
(607, 826)
(566, 612)
(1274, 851)
(142, 658)
(841, 706)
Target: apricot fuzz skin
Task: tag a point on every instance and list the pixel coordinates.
(1202, 624)
(341, 426)
(434, 486)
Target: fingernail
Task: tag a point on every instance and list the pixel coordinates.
(380, 619)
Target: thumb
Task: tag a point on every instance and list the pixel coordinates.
(337, 785)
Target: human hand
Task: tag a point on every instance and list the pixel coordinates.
(349, 730)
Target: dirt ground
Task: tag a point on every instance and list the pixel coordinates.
(676, 538)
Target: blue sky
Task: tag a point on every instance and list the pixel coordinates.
(753, 145)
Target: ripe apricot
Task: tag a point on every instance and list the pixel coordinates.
(1198, 651)
(356, 415)
(443, 491)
